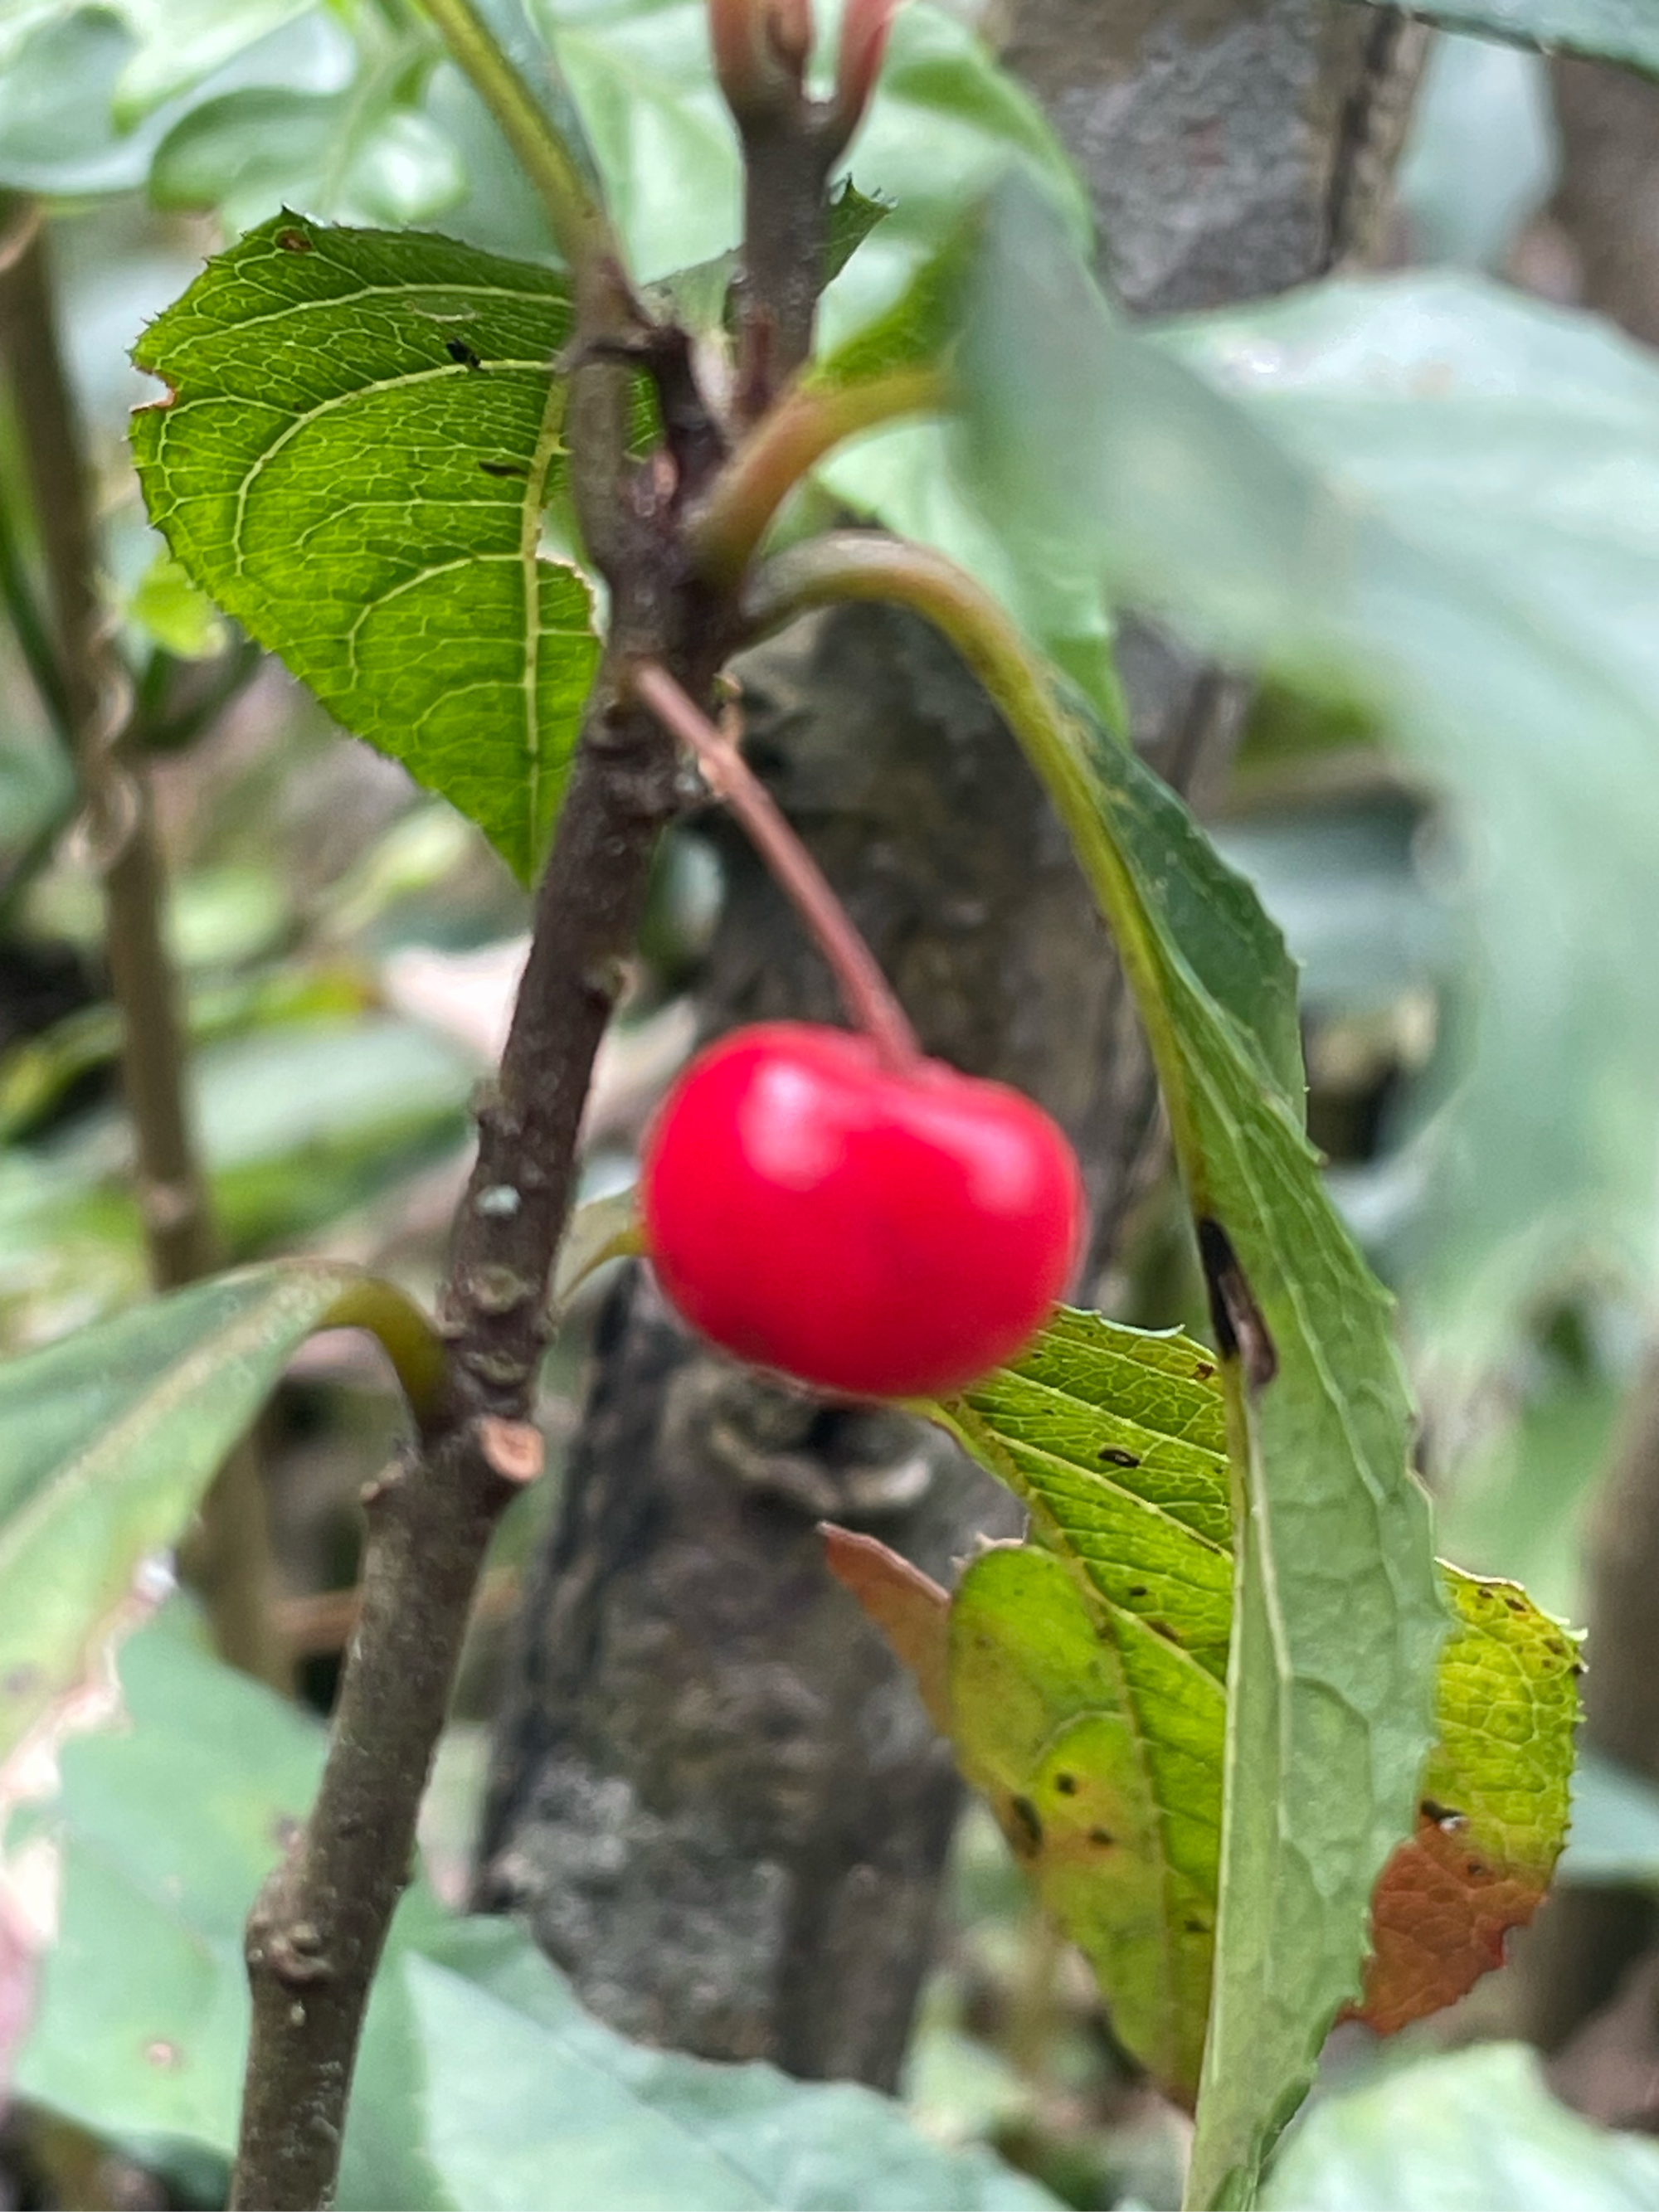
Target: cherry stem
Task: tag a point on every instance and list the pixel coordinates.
(864, 989)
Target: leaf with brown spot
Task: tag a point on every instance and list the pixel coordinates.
(1099, 1748)
(1085, 1695)
(1493, 1813)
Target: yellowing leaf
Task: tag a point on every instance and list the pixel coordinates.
(1493, 1813)
(1081, 1680)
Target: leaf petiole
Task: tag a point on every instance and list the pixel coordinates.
(864, 990)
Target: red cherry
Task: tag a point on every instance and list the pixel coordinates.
(886, 1232)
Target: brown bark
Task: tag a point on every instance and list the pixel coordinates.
(715, 1799)
(1608, 200)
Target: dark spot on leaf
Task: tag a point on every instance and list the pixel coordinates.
(504, 468)
(1137, 1590)
(1115, 1455)
(1240, 1328)
(1474, 1869)
(1196, 1926)
(1099, 1837)
(1516, 1604)
(1067, 1785)
(1441, 1815)
(294, 241)
(460, 350)
(1028, 1841)
(1203, 1371)
(1162, 1628)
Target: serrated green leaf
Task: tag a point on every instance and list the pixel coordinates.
(852, 216)
(1116, 1441)
(1493, 1813)
(699, 298)
(1098, 1742)
(363, 435)
(1337, 1614)
(1601, 30)
(916, 331)
(1080, 1684)
(109, 1438)
(481, 2083)
(1084, 1695)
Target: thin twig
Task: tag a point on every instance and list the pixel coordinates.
(790, 144)
(804, 425)
(316, 1936)
(232, 1553)
(864, 990)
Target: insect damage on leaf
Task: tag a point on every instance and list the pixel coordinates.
(1493, 1813)
(1081, 1684)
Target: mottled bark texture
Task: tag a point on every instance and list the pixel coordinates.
(716, 1801)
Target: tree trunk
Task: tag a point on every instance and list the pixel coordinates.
(712, 1794)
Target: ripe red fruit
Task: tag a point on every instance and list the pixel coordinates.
(886, 1232)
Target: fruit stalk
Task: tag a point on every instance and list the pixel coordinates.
(864, 989)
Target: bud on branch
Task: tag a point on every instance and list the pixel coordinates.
(761, 48)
